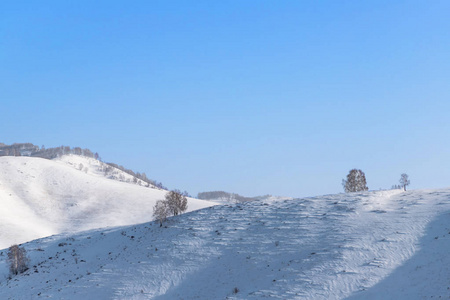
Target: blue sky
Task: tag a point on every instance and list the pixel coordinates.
(253, 97)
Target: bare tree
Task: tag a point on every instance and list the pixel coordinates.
(161, 211)
(356, 181)
(176, 201)
(404, 181)
(18, 260)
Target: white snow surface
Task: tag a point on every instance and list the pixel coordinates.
(41, 197)
(97, 168)
(371, 245)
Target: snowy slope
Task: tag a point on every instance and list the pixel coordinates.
(373, 245)
(42, 197)
(97, 168)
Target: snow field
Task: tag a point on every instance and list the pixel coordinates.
(365, 246)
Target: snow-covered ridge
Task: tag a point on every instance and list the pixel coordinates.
(98, 168)
(373, 245)
(41, 197)
(85, 157)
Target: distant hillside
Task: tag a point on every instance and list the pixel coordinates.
(28, 149)
(225, 197)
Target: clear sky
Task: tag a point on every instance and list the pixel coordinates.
(252, 97)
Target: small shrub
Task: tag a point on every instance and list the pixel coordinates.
(161, 211)
(18, 260)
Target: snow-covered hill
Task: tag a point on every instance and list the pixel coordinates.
(373, 245)
(98, 168)
(41, 197)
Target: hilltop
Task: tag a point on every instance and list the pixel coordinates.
(108, 169)
(371, 245)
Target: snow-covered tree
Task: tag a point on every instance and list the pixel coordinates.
(176, 201)
(404, 180)
(161, 211)
(356, 181)
(18, 260)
